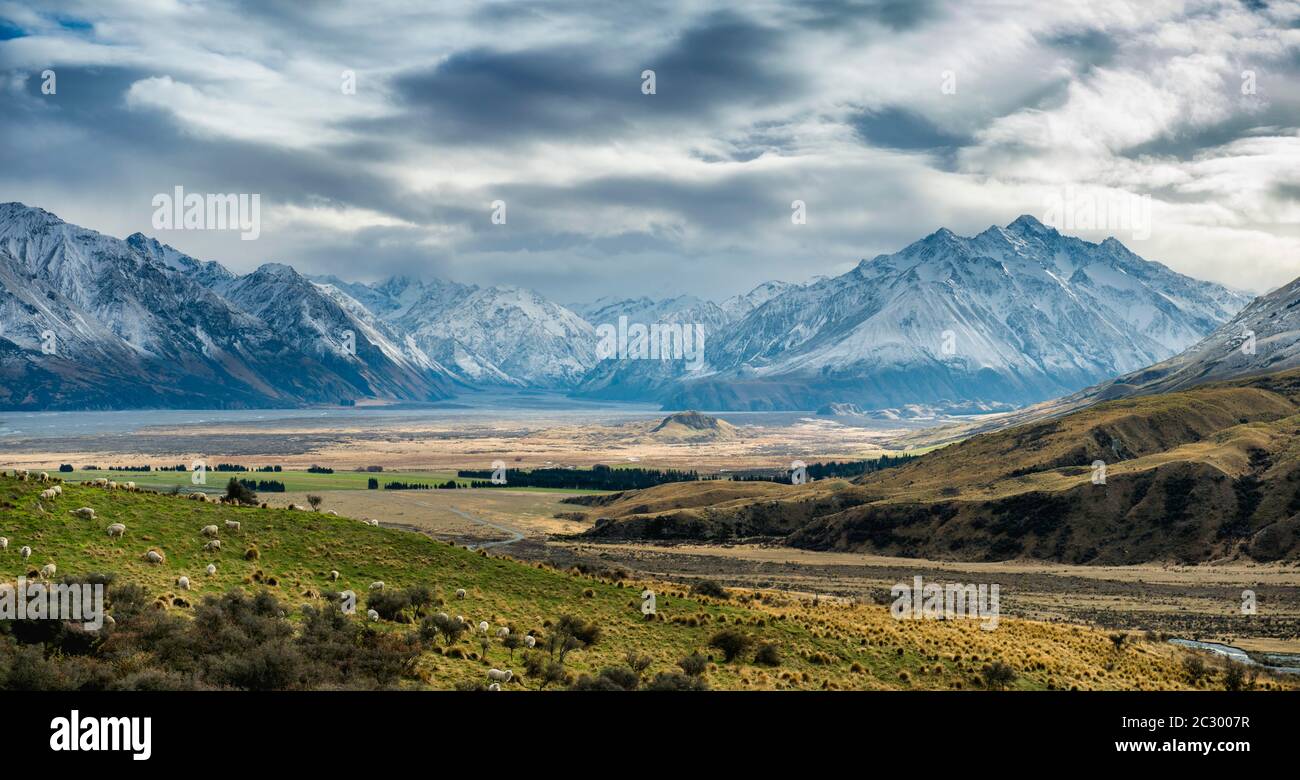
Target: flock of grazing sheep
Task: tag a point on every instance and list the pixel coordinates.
(213, 544)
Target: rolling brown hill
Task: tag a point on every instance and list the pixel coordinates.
(1203, 474)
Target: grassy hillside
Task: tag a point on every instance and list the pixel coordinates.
(827, 645)
(1190, 476)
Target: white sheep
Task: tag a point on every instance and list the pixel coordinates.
(112, 486)
(101, 482)
(85, 513)
(48, 495)
(377, 585)
(44, 477)
(212, 546)
(530, 641)
(4, 543)
(494, 687)
(130, 486)
(373, 615)
(58, 490)
(374, 523)
(500, 675)
(232, 525)
(25, 552)
(460, 593)
(334, 575)
(183, 583)
(483, 626)
(208, 530)
(21, 474)
(331, 512)
(212, 569)
(503, 632)
(116, 530)
(48, 570)
(153, 556)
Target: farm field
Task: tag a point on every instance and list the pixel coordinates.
(821, 643)
(294, 480)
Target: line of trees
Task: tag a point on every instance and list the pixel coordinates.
(596, 478)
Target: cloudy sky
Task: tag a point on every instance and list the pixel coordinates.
(887, 118)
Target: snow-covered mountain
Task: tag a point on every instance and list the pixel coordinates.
(485, 336)
(92, 321)
(1015, 315)
(1012, 316)
(1263, 338)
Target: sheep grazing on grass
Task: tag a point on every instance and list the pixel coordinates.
(44, 477)
(232, 525)
(294, 507)
(183, 583)
(500, 675)
(153, 556)
(21, 474)
(373, 615)
(212, 546)
(85, 513)
(116, 530)
(460, 593)
(24, 552)
(48, 495)
(483, 626)
(58, 490)
(212, 569)
(130, 486)
(372, 523)
(503, 632)
(4, 543)
(334, 575)
(331, 512)
(112, 486)
(494, 687)
(208, 530)
(377, 585)
(530, 641)
(48, 570)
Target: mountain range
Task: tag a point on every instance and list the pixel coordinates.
(1015, 315)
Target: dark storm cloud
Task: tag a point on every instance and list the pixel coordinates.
(488, 95)
(896, 15)
(894, 127)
